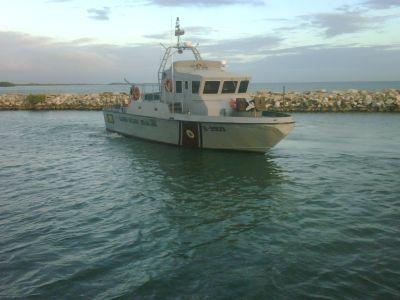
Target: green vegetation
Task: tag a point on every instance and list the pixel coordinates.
(34, 99)
(6, 84)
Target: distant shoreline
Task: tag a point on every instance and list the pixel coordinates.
(11, 84)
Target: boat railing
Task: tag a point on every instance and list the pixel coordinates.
(148, 91)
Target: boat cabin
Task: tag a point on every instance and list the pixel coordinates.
(202, 87)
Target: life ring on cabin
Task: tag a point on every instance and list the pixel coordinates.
(168, 85)
(233, 103)
(190, 134)
(135, 91)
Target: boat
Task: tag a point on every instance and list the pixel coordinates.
(198, 104)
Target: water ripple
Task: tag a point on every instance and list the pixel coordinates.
(89, 214)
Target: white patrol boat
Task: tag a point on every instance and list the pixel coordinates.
(197, 104)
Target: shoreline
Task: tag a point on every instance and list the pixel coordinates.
(352, 100)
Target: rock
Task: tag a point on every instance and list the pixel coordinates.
(389, 102)
(368, 100)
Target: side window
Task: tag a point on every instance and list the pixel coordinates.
(211, 87)
(243, 86)
(195, 87)
(186, 85)
(178, 86)
(229, 87)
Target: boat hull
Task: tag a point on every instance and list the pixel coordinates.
(254, 137)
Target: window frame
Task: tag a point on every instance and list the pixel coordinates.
(240, 86)
(198, 87)
(176, 87)
(235, 85)
(212, 93)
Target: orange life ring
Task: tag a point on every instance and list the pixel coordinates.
(135, 93)
(168, 85)
(233, 104)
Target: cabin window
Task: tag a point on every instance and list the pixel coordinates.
(229, 87)
(178, 86)
(186, 85)
(243, 86)
(211, 87)
(195, 87)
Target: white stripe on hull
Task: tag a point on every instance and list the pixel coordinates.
(257, 137)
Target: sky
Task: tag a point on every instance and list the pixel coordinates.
(99, 41)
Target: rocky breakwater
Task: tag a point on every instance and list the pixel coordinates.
(62, 101)
(336, 101)
(312, 101)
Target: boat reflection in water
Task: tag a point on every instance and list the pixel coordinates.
(202, 210)
(205, 179)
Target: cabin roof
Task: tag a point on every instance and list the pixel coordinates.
(205, 68)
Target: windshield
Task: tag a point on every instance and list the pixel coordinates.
(243, 86)
(211, 87)
(229, 87)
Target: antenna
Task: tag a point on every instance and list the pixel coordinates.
(178, 33)
(171, 30)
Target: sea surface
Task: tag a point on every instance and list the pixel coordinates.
(94, 215)
(275, 87)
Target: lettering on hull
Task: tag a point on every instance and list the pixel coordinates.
(214, 128)
(143, 122)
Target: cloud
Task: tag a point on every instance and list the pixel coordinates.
(27, 58)
(194, 33)
(199, 30)
(246, 46)
(344, 21)
(205, 2)
(323, 63)
(276, 19)
(382, 4)
(99, 14)
(83, 41)
(157, 36)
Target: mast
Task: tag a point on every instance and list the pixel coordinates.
(178, 47)
(178, 33)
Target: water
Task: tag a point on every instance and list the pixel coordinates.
(276, 87)
(88, 214)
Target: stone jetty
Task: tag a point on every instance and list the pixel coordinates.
(62, 101)
(310, 101)
(336, 101)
